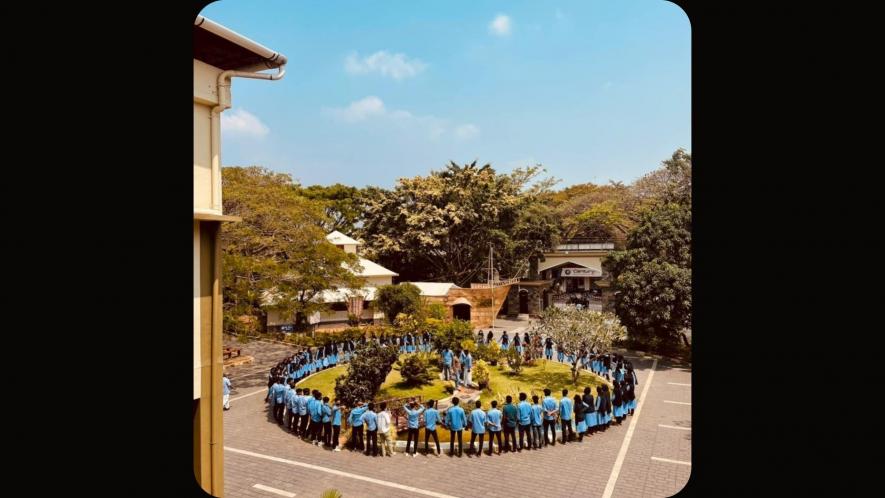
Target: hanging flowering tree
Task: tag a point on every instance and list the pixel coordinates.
(579, 330)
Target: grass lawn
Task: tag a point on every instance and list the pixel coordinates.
(393, 386)
(532, 380)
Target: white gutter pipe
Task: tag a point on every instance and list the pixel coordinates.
(274, 60)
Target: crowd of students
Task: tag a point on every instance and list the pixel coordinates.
(311, 416)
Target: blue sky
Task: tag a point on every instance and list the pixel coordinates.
(374, 91)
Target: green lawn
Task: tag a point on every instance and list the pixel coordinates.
(393, 386)
(533, 380)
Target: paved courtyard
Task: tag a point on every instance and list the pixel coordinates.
(648, 456)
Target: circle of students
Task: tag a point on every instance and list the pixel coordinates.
(309, 414)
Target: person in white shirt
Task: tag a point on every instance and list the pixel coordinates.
(226, 392)
(384, 431)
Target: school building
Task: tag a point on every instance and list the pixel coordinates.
(219, 55)
(571, 273)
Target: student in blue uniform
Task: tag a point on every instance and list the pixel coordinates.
(629, 396)
(590, 413)
(565, 417)
(551, 408)
(634, 381)
(327, 422)
(580, 410)
(560, 353)
(490, 337)
(292, 406)
(315, 407)
(447, 362)
(524, 414)
(279, 399)
(517, 343)
(618, 402)
(431, 417)
(336, 425)
(494, 418)
(478, 421)
(548, 348)
(370, 419)
(606, 366)
(505, 341)
(413, 412)
(537, 422)
(456, 419)
(511, 420)
(356, 421)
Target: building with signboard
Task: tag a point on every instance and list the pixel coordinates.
(571, 273)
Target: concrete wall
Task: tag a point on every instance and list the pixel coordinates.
(535, 296)
(480, 316)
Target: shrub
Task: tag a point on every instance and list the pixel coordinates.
(490, 353)
(435, 310)
(353, 320)
(415, 370)
(450, 334)
(468, 345)
(395, 299)
(481, 374)
(365, 374)
(514, 360)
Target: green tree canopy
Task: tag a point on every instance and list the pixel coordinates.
(439, 227)
(278, 256)
(341, 203)
(395, 299)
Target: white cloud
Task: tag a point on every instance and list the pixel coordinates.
(396, 66)
(466, 131)
(500, 25)
(239, 122)
(373, 108)
(360, 110)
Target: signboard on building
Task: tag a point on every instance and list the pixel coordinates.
(581, 272)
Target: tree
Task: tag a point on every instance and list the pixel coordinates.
(366, 372)
(574, 329)
(278, 256)
(439, 227)
(395, 299)
(652, 277)
(669, 184)
(341, 203)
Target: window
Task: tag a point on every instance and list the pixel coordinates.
(339, 306)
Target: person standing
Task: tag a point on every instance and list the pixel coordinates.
(580, 419)
(479, 338)
(336, 425)
(456, 370)
(490, 337)
(225, 394)
(478, 427)
(467, 366)
(551, 408)
(524, 412)
(316, 418)
(456, 419)
(537, 422)
(494, 417)
(548, 348)
(327, 422)
(303, 413)
(511, 419)
(505, 344)
(413, 412)
(590, 411)
(384, 430)
(292, 406)
(356, 421)
(370, 419)
(447, 364)
(431, 417)
(279, 398)
(565, 417)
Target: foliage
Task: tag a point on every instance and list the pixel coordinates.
(366, 373)
(468, 345)
(353, 320)
(435, 310)
(395, 299)
(415, 369)
(652, 276)
(406, 323)
(449, 334)
(481, 374)
(574, 329)
(439, 227)
(278, 256)
(331, 493)
(341, 204)
(514, 359)
(490, 353)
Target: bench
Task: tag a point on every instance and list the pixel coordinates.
(229, 352)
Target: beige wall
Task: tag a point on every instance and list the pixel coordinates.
(207, 183)
(588, 261)
(197, 362)
(378, 281)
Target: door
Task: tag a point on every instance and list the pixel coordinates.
(524, 301)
